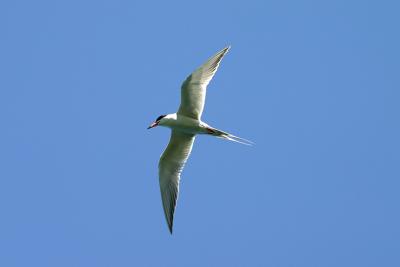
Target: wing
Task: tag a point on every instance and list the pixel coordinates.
(193, 91)
(170, 168)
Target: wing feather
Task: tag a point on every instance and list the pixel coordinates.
(170, 167)
(193, 90)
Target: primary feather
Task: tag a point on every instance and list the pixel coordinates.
(170, 168)
(193, 90)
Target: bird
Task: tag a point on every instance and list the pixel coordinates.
(185, 124)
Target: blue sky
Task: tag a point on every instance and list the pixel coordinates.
(314, 83)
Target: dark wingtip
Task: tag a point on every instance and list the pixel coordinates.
(170, 228)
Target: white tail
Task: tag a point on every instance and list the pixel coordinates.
(228, 136)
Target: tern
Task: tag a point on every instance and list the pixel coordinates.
(185, 125)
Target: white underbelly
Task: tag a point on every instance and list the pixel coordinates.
(188, 125)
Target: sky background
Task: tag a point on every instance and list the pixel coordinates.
(315, 84)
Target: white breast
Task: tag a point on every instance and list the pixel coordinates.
(183, 123)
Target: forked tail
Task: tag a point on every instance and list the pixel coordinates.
(228, 136)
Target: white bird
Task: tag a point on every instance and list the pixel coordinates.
(185, 124)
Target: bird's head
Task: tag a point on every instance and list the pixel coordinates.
(156, 122)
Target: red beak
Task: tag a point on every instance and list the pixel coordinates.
(154, 124)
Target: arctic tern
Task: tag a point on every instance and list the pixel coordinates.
(185, 125)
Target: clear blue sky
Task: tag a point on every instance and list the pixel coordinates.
(314, 83)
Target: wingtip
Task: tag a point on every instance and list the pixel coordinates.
(170, 228)
(224, 50)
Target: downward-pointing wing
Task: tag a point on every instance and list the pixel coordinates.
(170, 168)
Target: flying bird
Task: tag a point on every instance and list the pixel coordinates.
(185, 125)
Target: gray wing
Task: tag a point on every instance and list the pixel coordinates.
(170, 168)
(193, 91)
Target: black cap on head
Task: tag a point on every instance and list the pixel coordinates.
(160, 117)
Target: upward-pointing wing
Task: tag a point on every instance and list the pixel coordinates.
(193, 91)
(170, 168)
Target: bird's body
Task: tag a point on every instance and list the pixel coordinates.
(185, 125)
